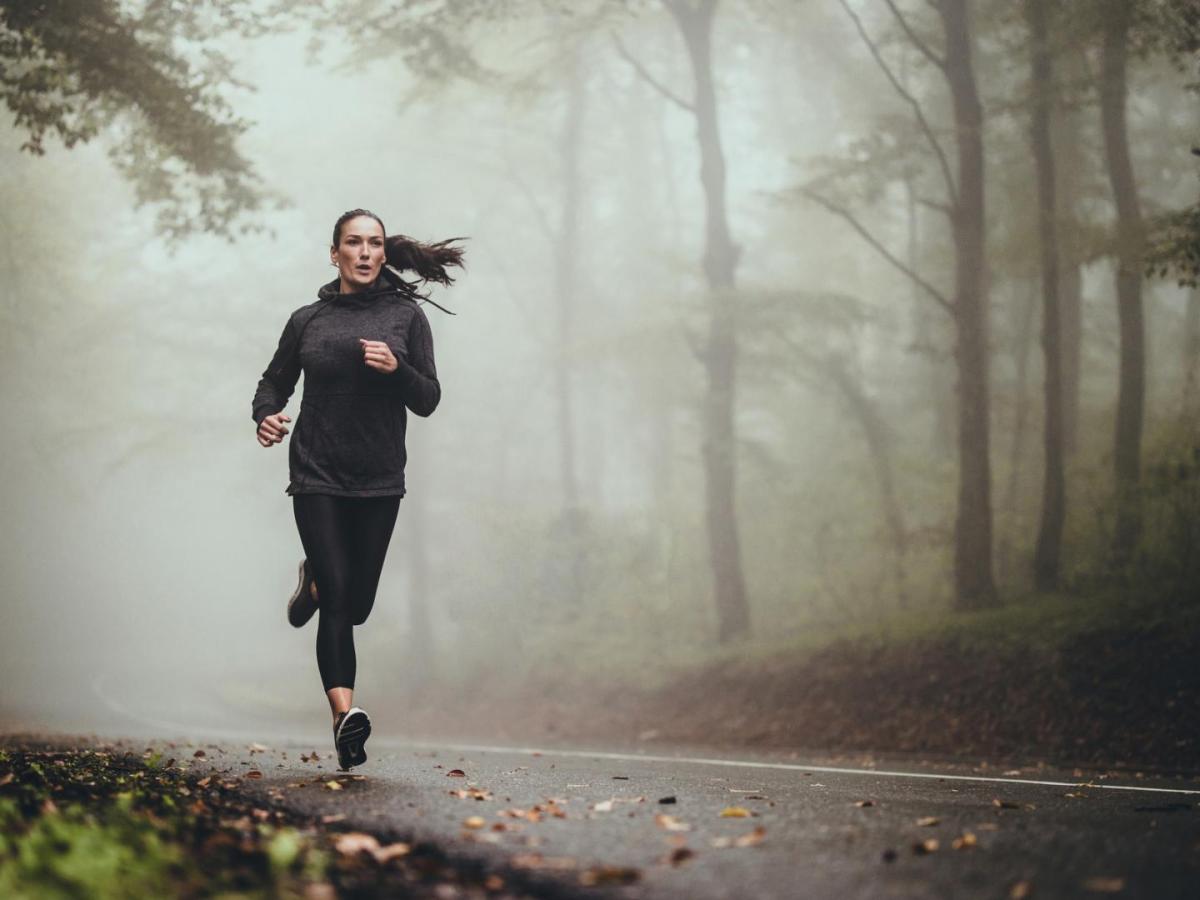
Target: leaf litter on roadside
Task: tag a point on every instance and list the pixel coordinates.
(124, 812)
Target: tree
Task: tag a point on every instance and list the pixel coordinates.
(974, 585)
(1047, 556)
(1131, 397)
(79, 67)
(719, 355)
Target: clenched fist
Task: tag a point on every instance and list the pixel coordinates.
(271, 429)
(378, 355)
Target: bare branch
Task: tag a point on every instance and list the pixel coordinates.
(951, 188)
(928, 53)
(937, 205)
(933, 292)
(650, 79)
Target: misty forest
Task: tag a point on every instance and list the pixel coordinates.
(822, 372)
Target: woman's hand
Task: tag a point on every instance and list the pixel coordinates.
(378, 356)
(271, 429)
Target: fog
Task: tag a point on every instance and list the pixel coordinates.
(149, 548)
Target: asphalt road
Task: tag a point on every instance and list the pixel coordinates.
(810, 829)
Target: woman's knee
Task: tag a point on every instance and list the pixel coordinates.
(334, 592)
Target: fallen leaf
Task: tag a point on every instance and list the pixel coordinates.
(754, 837)
(392, 851)
(334, 785)
(456, 773)
(258, 748)
(929, 845)
(670, 823)
(199, 754)
(474, 822)
(1005, 804)
(353, 842)
(679, 854)
(603, 806)
(864, 803)
(670, 799)
(537, 861)
(735, 812)
(926, 821)
(1022, 890)
(253, 773)
(204, 782)
(609, 875)
(333, 817)
(965, 842)
(1104, 885)
(470, 794)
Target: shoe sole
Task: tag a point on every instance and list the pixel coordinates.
(351, 737)
(296, 595)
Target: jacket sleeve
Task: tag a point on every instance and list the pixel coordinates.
(416, 376)
(279, 380)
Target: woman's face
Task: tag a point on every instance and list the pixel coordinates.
(359, 256)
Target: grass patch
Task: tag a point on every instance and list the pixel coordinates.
(1035, 621)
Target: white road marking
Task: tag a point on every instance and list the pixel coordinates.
(795, 767)
(241, 734)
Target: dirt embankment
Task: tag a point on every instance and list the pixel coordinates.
(1107, 698)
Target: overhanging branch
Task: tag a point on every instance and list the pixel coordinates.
(650, 79)
(883, 251)
(951, 188)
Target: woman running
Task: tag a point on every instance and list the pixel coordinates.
(366, 351)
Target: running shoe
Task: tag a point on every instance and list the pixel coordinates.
(349, 737)
(302, 605)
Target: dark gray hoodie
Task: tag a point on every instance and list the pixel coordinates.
(348, 439)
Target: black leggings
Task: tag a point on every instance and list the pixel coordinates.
(345, 539)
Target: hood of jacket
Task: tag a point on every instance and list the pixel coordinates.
(386, 282)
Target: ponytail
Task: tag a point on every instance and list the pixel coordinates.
(429, 261)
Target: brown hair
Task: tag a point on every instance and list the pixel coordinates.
(428, 260)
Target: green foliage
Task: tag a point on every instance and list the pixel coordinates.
(1174, 248)
(75, 67)
(1165, 564)
(75, 853)
(94, 824)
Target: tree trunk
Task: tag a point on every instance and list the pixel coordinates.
(1191, 359)
(1069, 163)
(565, 265)
(876, 432)
(565, 278)
(973, 579)
(1132, 389)
(1047, 557)
(720, 355)
(1015, 525)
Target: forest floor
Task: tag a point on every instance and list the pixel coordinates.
(1066, 682)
